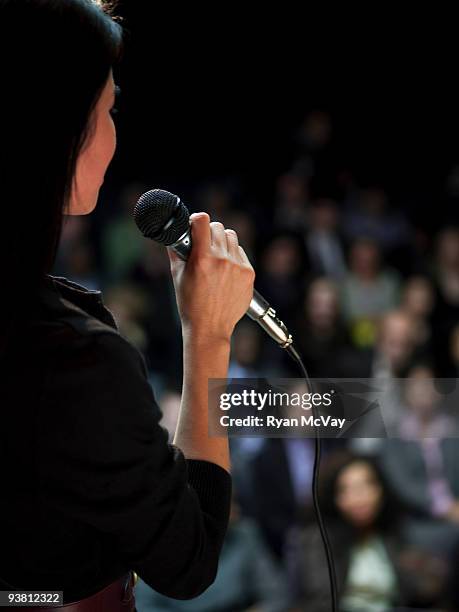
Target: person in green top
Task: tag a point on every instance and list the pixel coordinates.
(376, 570)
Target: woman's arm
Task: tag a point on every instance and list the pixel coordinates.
(104, 464)
(213, 288)
(201, 360)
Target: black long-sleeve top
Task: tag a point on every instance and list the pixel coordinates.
(90, 486)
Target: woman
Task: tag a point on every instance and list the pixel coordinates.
(92, 489)
(374, 570)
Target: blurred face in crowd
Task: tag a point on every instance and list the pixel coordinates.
(454, 345)
(245, 344)
(80, 259)
(324, 215)
(396, 339)
(216, 200)
(364, 259)
(316, 130)
(282, 257)
(322, 304)
(128, 304)
(155, 261)
(96, 154)
(448, 248)
(292, 188)
(418, 296)
(235, 511)
(374, 201)
(420, 394)
(243, 225)
(359, 494)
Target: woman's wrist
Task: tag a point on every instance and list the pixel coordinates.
(205, 357)
(198, 339)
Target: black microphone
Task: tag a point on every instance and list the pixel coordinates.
(162, 216)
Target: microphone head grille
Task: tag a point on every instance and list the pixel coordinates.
(161, 216)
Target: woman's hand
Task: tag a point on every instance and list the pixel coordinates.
(215, 286)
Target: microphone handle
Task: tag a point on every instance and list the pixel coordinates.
(259, 309)
(265, 315)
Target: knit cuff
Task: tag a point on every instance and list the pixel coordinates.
(213, 484)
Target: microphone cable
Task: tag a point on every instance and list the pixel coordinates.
(315, 484)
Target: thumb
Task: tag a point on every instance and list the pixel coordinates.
(200, 233)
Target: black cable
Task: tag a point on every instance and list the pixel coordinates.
(315, 485)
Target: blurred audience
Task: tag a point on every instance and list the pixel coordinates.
(75, 235)
(323, 337)
(372, 216)
(151, 275)
(122, 243)
(242, 223)
(281, 475)
(317, 158)
(170, 407)
(215, 198)
(245, 351)
(369, 292)
(418, 302)
(453, 346)
(384, 366)
(375, 569)
(248, 578)
(280, 272)
(129, 308)
(421, 463)
(395, 345)
(446, 274)
(281, 479)
(291, 202)
(324, 245)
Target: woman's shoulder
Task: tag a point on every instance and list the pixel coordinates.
(66, 303)
(67, 313)
(71, 321)
(87, 363)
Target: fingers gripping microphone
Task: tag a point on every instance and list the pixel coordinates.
(163, 217)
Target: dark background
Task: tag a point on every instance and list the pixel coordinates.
(223, 96)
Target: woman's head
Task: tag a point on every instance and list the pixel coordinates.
(57, 135)
(358, 494)
(354, 491)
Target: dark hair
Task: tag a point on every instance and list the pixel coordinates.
(56, 59)
(333, 467)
